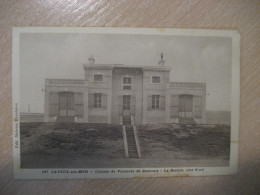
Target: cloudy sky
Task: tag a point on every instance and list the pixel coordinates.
(192, 59)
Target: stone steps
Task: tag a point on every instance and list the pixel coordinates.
(188, 120)
(131, 143)
(127, 120)
(65, 119)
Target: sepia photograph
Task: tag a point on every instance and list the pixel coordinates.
(134, 101)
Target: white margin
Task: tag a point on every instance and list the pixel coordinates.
(117, 172)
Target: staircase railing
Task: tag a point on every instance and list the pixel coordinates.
(125, 142)
(132, 119)
(121, 119)
(137, 142)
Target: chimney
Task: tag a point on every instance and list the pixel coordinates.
(161, 62)
(91, 60)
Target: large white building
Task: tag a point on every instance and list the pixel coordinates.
(117, 93)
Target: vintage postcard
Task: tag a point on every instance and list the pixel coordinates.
(125, 102)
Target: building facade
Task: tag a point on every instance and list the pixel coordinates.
(110, 93)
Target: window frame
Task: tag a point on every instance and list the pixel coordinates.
(155, 102)
(97, 100)
(98, 74)
(127, 84)
(158, 76)
(127, 102)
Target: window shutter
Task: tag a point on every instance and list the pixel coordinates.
(188, 103)
(182, 103)
(197, 106)
(90, 100)
(104, 100)
(53, 104)
(174, 105)
(149, 102)
(79, 104)
(79, 98)
(132, 104)
(71, 101)
(162, 102)
(120, 104)
(54, 98)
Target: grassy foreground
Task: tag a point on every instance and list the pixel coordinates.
(76, 145)
(185, 141)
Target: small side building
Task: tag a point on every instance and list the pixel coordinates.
(110, 92)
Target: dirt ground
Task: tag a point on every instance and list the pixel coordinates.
(185, 142)
(75, 145)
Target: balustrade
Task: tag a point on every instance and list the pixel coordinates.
(186, 85)
(73, 82)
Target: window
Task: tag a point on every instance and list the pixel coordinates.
(126, 102)
(156, 79)
(127, 87)
(127, 81)
(155, 101)
(97, 100)
(98, 77)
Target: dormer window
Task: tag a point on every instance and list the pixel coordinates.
(127, 83)
(156, 79)
(98, 77)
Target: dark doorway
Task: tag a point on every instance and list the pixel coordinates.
(185, 106)
(66, 104)
(126, 105)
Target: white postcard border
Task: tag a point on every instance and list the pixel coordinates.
(126, 172)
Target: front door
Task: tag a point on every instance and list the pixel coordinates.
(126, 105)
(66, 104)
(185, 106)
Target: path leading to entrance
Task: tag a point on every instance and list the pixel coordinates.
(187, 120)
(63, 119)
(130, 137)
(127, 120)
(131, 143)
